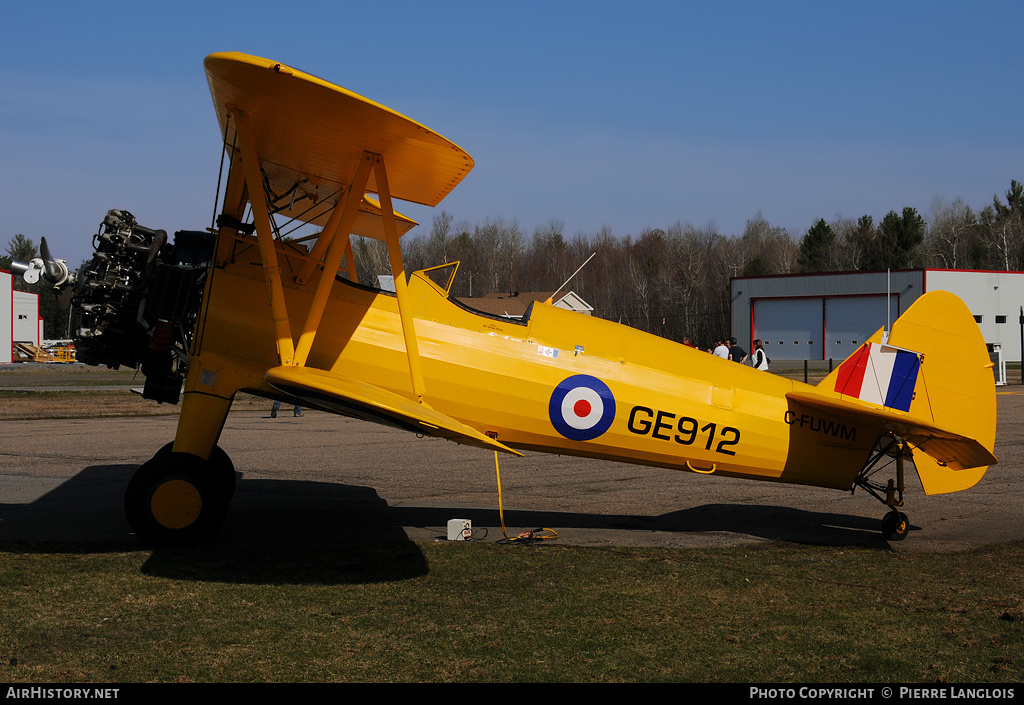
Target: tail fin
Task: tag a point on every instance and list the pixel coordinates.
(931, 383)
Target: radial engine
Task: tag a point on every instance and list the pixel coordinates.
(137, 298)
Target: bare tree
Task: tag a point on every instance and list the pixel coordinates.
(439, 236)
(951, 232)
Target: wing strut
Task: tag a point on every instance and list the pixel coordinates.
(398, 272)
(336, 230)
(265, 239)
(339, 228)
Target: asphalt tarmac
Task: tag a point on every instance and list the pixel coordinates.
(328, 478)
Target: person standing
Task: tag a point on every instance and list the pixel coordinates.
(736, 353)
(759, 359)
(297, 411)
(721, 349)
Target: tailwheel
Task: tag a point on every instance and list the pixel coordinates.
(175, 499)
(895, 526)
(889, 450)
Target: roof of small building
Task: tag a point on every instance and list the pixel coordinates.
(515, 304)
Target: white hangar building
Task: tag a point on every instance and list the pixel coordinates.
(19, 318)
(826, 316)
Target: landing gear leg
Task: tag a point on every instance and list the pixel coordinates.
(895, 525)
(181, 495)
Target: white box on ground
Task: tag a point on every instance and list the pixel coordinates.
(459, 529)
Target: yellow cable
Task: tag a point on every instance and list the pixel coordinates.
(501, 510)
(501, 514)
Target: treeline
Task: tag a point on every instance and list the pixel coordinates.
(675, 282)
(954, 237)
(670, 282)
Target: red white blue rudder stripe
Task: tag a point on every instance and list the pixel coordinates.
(581, 408)
(880, 374)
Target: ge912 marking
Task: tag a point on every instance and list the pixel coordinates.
(685, 431)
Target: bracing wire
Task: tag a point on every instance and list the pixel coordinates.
(220, 175)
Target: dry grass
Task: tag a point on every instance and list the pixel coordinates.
(69, 405)
(37, 391)
(330, 612)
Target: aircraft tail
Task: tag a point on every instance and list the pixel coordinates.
(931, 383)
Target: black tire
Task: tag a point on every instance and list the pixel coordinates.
(224, 469)
(895, 526)
(171, 501)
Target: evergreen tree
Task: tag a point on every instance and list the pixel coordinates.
(894, 243)
(816, 248)
(755, 267)
(901, 236)
(1014, 202)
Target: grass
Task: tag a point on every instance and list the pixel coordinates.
(406, 612)
(18, 404)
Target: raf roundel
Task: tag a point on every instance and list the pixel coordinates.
(581, 408)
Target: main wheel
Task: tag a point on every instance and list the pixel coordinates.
(224, 469)
(895, 526)
(174, 499)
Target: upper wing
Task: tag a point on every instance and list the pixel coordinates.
(310, 134)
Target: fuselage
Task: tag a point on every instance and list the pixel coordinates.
(557, 382)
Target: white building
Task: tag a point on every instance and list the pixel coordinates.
(515, 305)
(826, 316)
(19, 318)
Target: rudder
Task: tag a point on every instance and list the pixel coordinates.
(941, 377)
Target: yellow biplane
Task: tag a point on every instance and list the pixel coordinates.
(243, 307)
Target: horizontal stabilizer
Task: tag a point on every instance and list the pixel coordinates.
(340, 395)
(950, 450)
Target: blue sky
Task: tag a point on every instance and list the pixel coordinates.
(595, 114)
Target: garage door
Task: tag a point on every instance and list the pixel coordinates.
(790, 328)
(850, 320)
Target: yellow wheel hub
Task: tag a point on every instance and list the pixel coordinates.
(176, 504)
